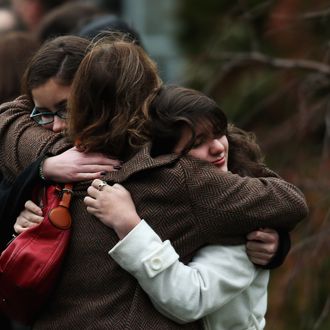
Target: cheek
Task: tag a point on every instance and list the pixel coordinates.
(63, 123)
(48, 126)
(225, 143)
(198, 153)
(59, 122)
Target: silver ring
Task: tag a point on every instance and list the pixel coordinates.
(101, 185)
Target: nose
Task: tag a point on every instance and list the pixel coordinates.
(216, 147)
(58, 124)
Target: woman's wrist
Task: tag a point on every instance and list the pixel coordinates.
(42, 174)
(48, 169)
(124, 227)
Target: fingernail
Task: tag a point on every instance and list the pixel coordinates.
(117, 167)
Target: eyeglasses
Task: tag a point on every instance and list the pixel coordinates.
(47, 117)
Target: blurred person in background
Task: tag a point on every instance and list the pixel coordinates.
(8, 20)
(66, 19)
(84, 19)
(114, 6)
(98, 27)
(16, 49)
(31, 12)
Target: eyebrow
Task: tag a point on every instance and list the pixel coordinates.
(61, 104)
(41, 109)
(199, 136)
(57, 106)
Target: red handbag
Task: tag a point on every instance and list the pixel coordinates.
(30, 264)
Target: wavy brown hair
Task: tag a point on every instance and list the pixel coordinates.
(109, 98)
(175, 107)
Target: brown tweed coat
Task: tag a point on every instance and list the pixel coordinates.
(185, 200)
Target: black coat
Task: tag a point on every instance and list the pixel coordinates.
(13, 197)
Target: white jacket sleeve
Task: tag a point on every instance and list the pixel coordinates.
(184, 293)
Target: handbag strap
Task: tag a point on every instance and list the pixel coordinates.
(60, 216)
(66, 195)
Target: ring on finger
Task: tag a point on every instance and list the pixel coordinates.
(101, 185)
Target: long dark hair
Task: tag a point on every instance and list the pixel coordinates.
(245, 156)
(174, 107)
(58, 59)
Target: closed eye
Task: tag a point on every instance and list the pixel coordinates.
(200, 139)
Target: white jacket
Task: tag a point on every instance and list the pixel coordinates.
(220, 285)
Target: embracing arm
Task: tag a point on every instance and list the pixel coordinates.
(22, 140)
(268, 248)
(70, 166)
(184, 293)
(73, 166)
(228, 205)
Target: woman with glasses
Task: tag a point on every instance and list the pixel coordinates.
(47, 80)
(54, 121)
(47, 85)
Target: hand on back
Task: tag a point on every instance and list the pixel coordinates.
(31, 216)
(113, 205)
(262, 245)
(73, 165)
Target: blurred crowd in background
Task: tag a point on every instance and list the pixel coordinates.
(32, 22)
(267, 65)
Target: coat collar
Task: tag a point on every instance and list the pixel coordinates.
(139, 162)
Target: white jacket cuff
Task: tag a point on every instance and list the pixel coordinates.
(142, 252)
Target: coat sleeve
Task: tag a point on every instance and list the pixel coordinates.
(228, 205)
(22, 140)
(184, 293)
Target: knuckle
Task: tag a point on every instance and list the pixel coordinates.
(271, 248)
(252, 235)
